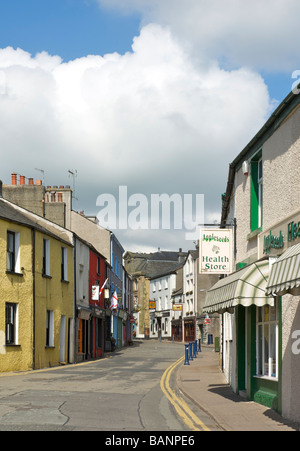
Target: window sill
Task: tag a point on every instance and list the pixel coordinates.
(14, 273)
(254, 234)
(267, 378)
(64, 281)
(46, 276)
(12, 345)
(49, 347)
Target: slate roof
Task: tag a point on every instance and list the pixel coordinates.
(12, 212)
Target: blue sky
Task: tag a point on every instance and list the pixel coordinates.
(69, 28)
(77, 28)
(136, 93)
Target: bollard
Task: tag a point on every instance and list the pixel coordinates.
(194, 349)
(191, 351)
(186, 362)
(199, 345)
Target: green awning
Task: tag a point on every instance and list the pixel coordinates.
(244, 287)
(285, 273)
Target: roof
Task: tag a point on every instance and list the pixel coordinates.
(170, 270)
(13, 213)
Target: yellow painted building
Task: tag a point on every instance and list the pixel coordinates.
(36, 291)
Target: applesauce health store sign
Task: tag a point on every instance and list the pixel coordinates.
(215, 251)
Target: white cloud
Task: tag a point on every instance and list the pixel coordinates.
(150, 119)
(259, 34)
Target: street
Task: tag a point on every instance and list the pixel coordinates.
(133, 389)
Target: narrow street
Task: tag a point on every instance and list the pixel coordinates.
(133, 389)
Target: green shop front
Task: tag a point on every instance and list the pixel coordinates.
(255, 352)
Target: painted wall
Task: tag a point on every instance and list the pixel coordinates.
(17, 289)
(55, 295)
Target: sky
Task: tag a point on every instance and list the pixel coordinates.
(157, 96)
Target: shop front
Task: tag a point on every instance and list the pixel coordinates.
(252, 333)
(284, 284)
(189, 329)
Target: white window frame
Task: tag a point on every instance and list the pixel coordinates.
(11, 341)
(46, 250)
(266, 369)
(50, 328)
(64, 262)
(17, 265)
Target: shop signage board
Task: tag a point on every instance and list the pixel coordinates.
(215, 251)
(177, 307)
(152, 305)
(277, 239)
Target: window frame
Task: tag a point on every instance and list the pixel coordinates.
(46, 257)
(49, 329)
(256, 192)
(64, 264)
(11, 328)
(269, 339)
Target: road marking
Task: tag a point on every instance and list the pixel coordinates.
(183, 410)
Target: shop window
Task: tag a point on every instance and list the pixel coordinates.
(256, 191)
(267, 341)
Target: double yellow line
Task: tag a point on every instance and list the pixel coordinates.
(183, 410)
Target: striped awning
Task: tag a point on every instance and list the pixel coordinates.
(245, 287)
(285, 273)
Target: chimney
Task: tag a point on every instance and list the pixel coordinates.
(22, 179)
(14, 178)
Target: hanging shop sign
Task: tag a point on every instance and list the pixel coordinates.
(152, 305)
(215, 251)
(95, 292)
(177, 307)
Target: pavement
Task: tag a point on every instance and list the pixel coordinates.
(204, 383)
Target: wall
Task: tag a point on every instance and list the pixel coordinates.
(53, 295)
(290, 357)
(92, 233)
(17, 289)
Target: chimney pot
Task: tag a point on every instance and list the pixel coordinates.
(30, 181)
(60, 197)
(22, 179)
(39, 182)
(14, 178)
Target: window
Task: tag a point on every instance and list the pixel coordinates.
(50, 328)
(260, 187)
(11, 251)
(46, 257)
(64, 264)
(98, 265)
(11, 324)
(256, 191)
(13, 255)
(267, 341)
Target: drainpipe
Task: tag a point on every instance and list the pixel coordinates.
(33, 297)
(75, 301)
